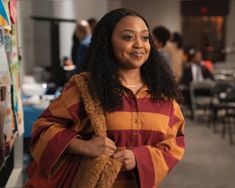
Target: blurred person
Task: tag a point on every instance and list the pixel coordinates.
(83, 33)
(194, 70)
(92, 22)
(207, 62)
(176, 55)
(126, 77)
(75, 45)
(82, 39)
(161, 36)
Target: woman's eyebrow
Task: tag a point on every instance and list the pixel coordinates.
(132, 30)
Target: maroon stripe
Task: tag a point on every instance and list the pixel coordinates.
(173, 120)
(46, 113)
(146, 105)
(145, 166)
(134, 138)
(55, 147)
(37, 132)
(53, 119)
(180, 141)
(171, 161)
(126, 104)
(71, 166)
(77, 111)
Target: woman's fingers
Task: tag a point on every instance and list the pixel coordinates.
(127, 158)
(110, 144)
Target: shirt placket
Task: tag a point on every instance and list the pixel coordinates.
(135, 116)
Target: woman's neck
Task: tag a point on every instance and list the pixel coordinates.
(131, 79)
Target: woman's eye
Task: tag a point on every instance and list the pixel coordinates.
(128, 37)
(145, 38)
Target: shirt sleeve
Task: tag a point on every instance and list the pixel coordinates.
(54, 129)
(155, 162)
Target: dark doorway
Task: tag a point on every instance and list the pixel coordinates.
(207, 33)
(203, 26)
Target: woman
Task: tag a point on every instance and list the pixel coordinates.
(138, 95)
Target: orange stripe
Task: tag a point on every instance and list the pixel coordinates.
(58, 109)
(160, 166)
(39, 123)
(71, 96)
(174, 150)
(39, 147)
(153, 121)
(118, 121)
(148, 121)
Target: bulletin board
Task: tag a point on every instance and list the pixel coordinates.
(11, 112)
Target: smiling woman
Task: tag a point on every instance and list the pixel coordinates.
(130, 92)
(130, 42)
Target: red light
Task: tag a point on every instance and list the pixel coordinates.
(204, 10)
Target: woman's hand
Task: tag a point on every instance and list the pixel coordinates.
(100, 145)
(92, 148)
(127, 158)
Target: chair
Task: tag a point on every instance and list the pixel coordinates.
(201, 93)
(218, 102)
(229, 113)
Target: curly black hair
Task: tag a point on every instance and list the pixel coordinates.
(104, 83)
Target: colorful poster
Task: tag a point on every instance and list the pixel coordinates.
(2, 140)
(13, 11)
(13, 48)
(4, 17)
(9, 124)
(1, 37)
(11, 113)
(5, 78)
(20, 115)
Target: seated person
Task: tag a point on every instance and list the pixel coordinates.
(193, 71)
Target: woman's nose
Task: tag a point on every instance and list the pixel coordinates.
(138, 43)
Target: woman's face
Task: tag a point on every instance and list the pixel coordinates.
(130, 42)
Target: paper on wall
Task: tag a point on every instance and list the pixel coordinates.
(5, 78)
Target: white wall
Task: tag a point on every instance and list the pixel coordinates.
(158, 12)
(42, 43)
(85, 9)
(65, 9)
(25, 34)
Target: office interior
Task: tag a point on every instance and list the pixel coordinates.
(44, 41)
